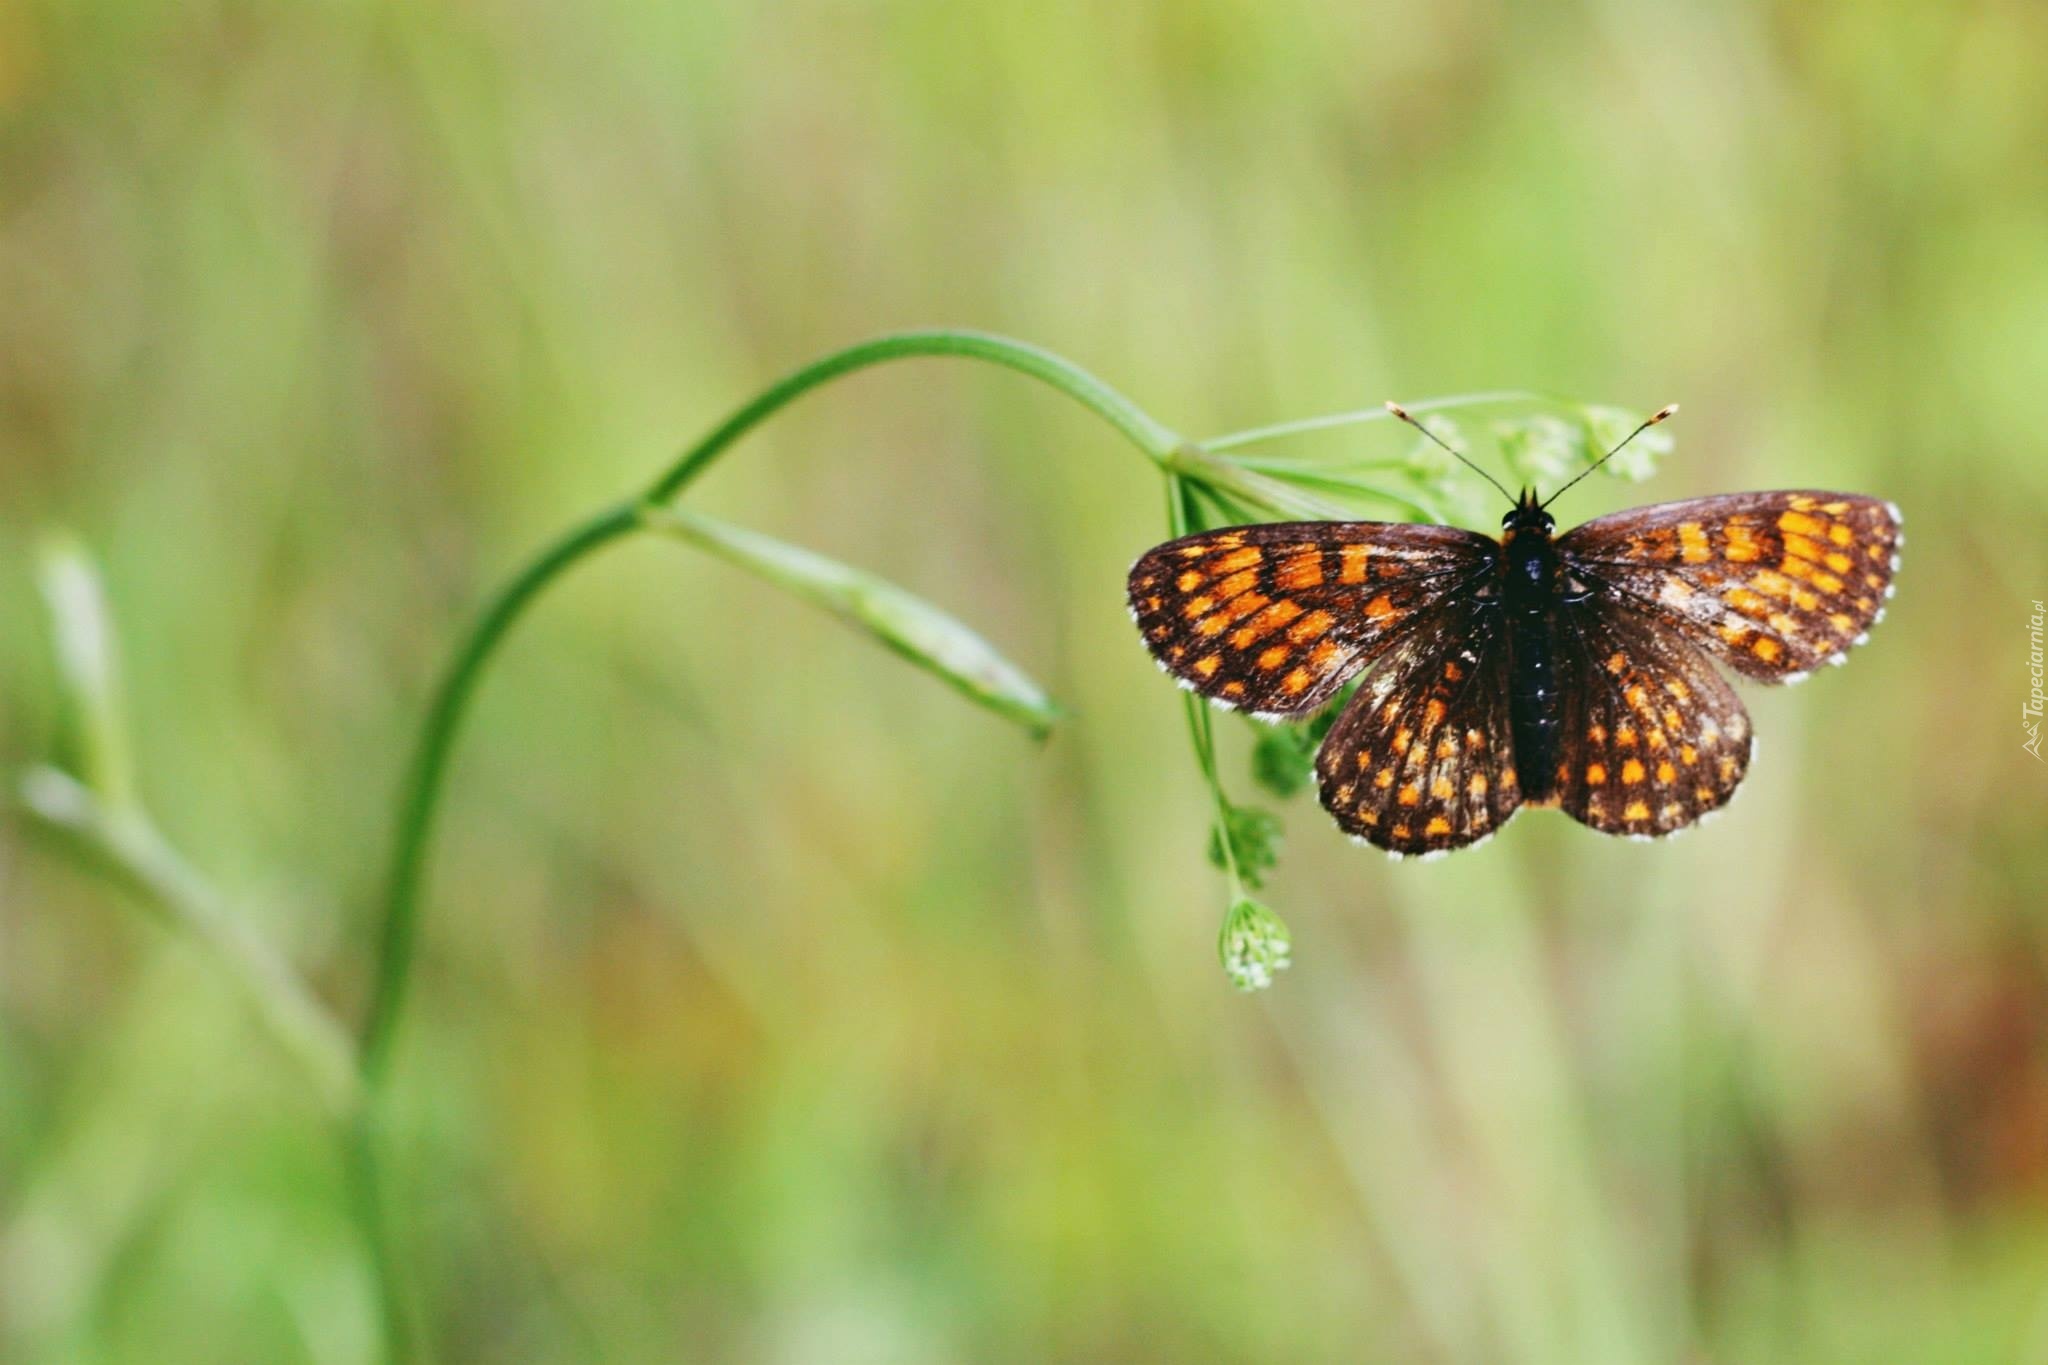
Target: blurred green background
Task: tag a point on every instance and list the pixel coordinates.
(778, 1006)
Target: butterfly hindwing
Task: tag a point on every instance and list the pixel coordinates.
(1772, 584)
(1274, 619)
(1653, 736)
(1422, 760)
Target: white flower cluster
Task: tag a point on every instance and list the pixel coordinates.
(1254, 945)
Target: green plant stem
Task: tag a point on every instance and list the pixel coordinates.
(425, 779)
(126, 844)
(1304, 426)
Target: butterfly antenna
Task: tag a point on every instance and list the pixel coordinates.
(1405, 416)
(1659, 415)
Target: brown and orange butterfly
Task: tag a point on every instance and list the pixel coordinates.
(1530, 671)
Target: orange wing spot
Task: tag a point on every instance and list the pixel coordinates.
(1452, 673)
(1625, 737)
(1726, 767)
(1507, 777)
(1193, 551)
(1323, 655)
(1688, 755)
(1704, 795)
(1364, 759)
(1869, 579)
(1875, 550)
(1734, 632)
(1864, 604)
(1310, 627)
(1304, 570)
(1265, 623)
(1799, 547)
(1767, 649)
(1177, 653)
(1770, 583)
(1208, 664)
(1841, 534)
(1805, 599)
(1843, 622)
(1596, 774)
(1665, 772)
(1230, 613)
(1784, 625)
(1297, 682)
(1402, 833)
(1839, 562)
(1632, 772)
(1745, 601)
(1381, 607)
(1230, 587)
(1437, 827)
(1197, 607)
(1802, 503)
(1274, 657)
(1692, 543)
(1635, 810)
(1615, 663)
(1238, 559)
(1442, 789)
(1434, 713)
(1403, 737)
(1351, 563)
(1233, 690)
(1346, 792)
(1190, 580)
(1827, 582)
(1369, 818)
(1597, 732)
(1799, 524)
(1741, 546)
(1796, 568)
(1637, 696)
(1383, 779)
(1658, 742)
(1447, 747)
(1670, 810)
(1151, 604)
(1409, 794)
(1475, 739)
(1673, 721)
(1477, 786)
(1677, 688)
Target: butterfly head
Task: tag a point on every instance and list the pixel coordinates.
(1527, 518)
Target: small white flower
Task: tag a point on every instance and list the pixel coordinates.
(1254, 945)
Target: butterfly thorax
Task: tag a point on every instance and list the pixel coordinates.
(1531, 588)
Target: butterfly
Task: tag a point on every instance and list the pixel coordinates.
(1573, 671)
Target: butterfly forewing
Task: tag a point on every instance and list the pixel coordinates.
(1772, 584)
(1422, 760)
(1276, 618)
(1653, 737)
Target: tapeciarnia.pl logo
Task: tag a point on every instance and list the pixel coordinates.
(2030, 714)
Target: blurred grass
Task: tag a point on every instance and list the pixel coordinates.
(777, 1005)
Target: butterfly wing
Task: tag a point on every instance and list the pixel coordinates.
(1654, 737)
(1276, 618)
(1422, 760)
(1772, 584)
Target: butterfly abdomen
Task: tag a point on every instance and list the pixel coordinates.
(1530, 577)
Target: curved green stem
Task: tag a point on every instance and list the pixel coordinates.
(1120, 412)
(425, 778)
